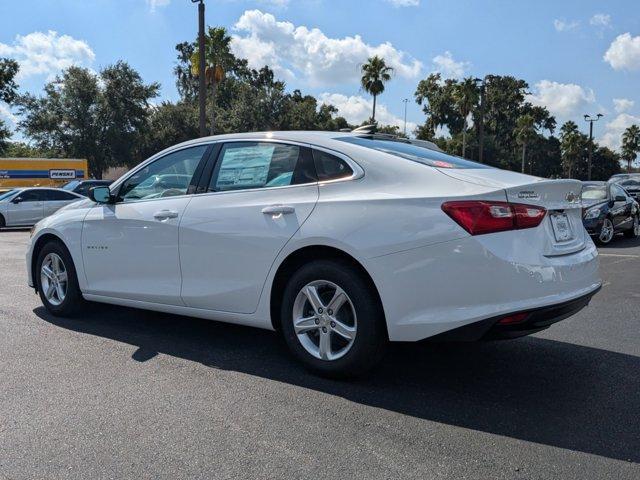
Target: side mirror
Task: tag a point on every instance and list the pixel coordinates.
(620, 198)
(17, 200)
(100, 194)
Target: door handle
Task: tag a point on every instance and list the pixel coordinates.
(278, 210)
(165, 215)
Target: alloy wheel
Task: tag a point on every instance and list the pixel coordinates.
(54, 279)
(606, 234)
(636, 226)
(324, 320)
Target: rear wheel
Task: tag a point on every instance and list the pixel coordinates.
(606, 232)
(331, 320)
(634, 231)
(2, 222)
(57, 281)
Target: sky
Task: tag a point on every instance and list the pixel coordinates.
(578, 56)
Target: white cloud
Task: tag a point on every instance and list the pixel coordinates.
(622, 104)
(153, 4)
(614, 129)
(404, 3)
(356, 109)
(602, 20)
(624, 52)
(307, 53)
(562, 99)
(48, 53)
(564, 25)
(448, 66)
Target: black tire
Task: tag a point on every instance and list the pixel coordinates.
(371, 337)
(633, 231)
(2, 222)
(73, 302)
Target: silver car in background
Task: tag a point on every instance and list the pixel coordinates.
(23, 207)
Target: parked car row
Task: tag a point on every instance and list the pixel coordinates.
(609, 208)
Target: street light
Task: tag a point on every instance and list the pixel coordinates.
(482, 82)
(201, 77)
(591, 120)
(405, 101)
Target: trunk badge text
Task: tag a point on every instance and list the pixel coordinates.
(529, 194)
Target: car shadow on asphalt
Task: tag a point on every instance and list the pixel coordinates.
(539, 390)
(620, 241)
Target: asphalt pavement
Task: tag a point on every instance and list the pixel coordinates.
(123, 393)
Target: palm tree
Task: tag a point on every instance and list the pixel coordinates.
(570, 145)
(525, 133)
(218, 59)
(375, 73)
(630, 145)
(466, 98)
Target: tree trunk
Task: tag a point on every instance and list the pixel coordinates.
(373, 117)
(464, 142)
(524, 153)
(629, 166)
(214, 91)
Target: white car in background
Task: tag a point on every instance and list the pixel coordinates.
(339, 241)
(24, 207)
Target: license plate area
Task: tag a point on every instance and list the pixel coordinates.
(561, 227)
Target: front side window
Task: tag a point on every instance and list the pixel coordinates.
(617, 191)
(248, 165)
(32, 195)
(167, 176)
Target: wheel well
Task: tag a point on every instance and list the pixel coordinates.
(2, 220)
(298, 258)
(41, 242)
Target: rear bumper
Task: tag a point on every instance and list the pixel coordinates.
(533, 321)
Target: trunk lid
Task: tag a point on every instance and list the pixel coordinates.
(564, 231)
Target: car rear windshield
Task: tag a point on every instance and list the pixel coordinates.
(412, 152)
(71, 185)
(594, 192)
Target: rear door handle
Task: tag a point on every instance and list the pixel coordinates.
(165, 215)
(278, 210)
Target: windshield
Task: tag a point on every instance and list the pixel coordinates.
(71, 185)
(631, 183)
(594, 192)
(6, 195)
(412, 152)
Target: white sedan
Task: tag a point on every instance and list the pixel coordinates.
(339, 241)
(24, 207)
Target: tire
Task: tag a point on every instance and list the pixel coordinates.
(605, 239)
(65, 302)
(360, 316)
(634, 231)
(2, 222)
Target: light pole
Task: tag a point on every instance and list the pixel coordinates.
(483, 82)
(591, 120)
(202, 86)
(405, 101)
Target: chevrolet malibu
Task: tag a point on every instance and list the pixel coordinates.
(341, 242)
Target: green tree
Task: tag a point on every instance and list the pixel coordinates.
(525, 133)
(218, 59)
(630, 145)
(375, 73)
(466, 96)
(572, 146)
(83, 115)
(8, 89)
(436, 97)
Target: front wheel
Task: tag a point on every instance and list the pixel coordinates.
(634, 231)
(332, 321)
(606, 232)
(57, 281)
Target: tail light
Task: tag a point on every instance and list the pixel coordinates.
(479, 216)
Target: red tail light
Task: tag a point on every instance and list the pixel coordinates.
(479, 217)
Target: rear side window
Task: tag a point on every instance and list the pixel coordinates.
(248, 165)
(411, 152)
(330, 167)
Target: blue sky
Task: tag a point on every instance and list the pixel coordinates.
(579, 56)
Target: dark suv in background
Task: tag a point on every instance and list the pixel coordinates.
(82, 187)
